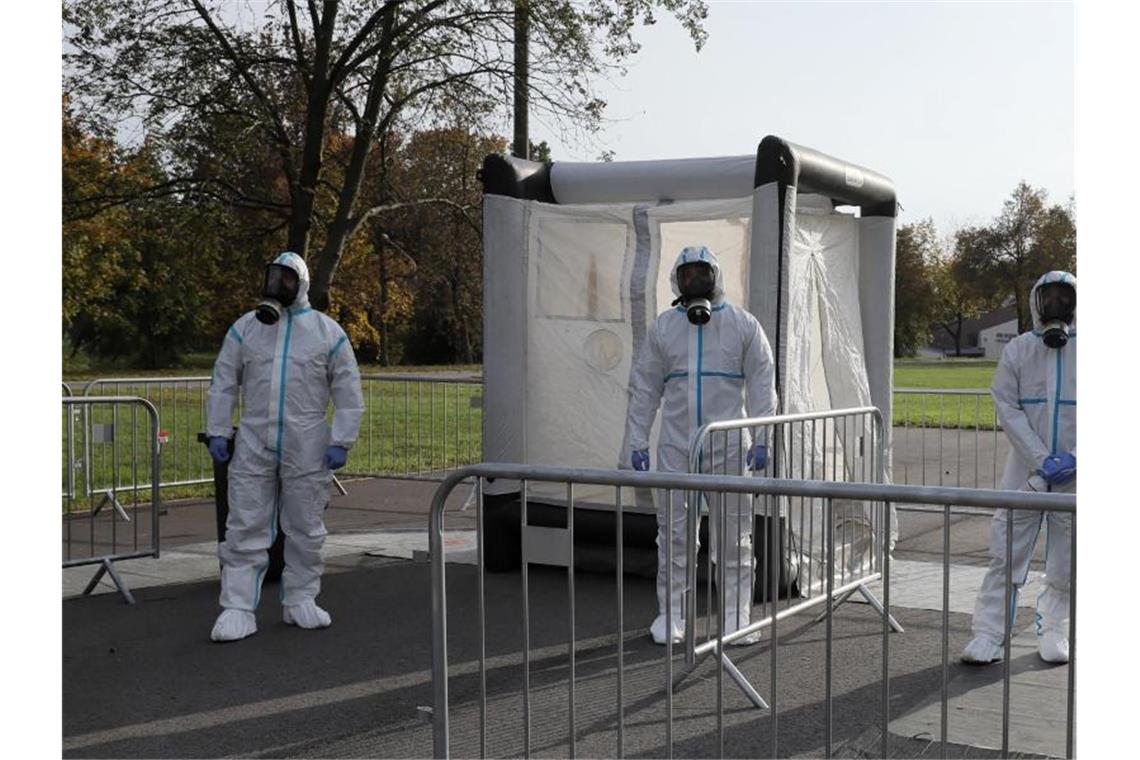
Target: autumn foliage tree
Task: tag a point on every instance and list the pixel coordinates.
(291, 79)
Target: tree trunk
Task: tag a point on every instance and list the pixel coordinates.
(343, 224)
(384, 358)
(312, 155)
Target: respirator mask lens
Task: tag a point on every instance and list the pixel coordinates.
(281, 284)
(279, 292)
(696, 280)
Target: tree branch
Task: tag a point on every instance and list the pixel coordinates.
(387, 207)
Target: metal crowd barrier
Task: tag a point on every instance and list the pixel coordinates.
(107, 526)
(841, 445)
(559, 551)
(181, 406)
(947, 437)
(416, 426)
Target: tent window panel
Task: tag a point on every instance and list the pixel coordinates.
(728, 239)
(580, 269)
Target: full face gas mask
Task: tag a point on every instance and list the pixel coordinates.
(697, 282)
(1056, 306)
(281, 287)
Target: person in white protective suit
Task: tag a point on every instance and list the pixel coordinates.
(703, 358)
(1035, 392)
(287, 360)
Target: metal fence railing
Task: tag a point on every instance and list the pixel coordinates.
(418, 426)
(120, 435)
(415, 426)
(540, 707)
(423, 426)
(947, 437)
(181, 406)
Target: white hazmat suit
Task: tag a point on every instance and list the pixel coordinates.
(286, 373)
(702, 373)
(1035, 392)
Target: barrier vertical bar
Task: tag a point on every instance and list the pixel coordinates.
(774, 562)
(886, 633)
(526, 622)
(829, 580)
(482, 596)
(669, 626)
(812, 510)
(155, 484)
(721, 531)
(945, 626)
(958, 471)
(941, 430)
(977, 441)
(135, 472)
(621, 625)
(114, 478)
(1009, 613)
(440, 713)
(570, 581)
(69, 414)
(1071, 712)
(923, 436)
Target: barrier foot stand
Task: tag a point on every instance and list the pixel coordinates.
(113, 498)
(106, 567)
(874, 602)
(339, 487)
(834, 605)
(742, 682)
(729, 668)
(871, 600)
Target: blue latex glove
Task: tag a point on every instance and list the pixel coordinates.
(335, 457)
(1059, 469)
(757, 458)
(219, 447)
(640, 460)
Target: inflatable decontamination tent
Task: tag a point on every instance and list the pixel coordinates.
(576, 266)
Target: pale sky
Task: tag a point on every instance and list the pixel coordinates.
(956, 102)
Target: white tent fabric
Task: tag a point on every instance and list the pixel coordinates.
(826, 369)
(570, 289)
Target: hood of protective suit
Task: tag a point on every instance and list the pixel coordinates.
(1045, 279)
(297, 264)
(693, 253)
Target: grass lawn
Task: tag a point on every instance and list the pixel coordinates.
(931, 409)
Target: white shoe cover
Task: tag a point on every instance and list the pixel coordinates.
(657, 630)
(307, 615)
(982, 651)
(746, 641)
(1053, 647)
(233, 625)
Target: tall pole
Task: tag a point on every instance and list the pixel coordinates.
(522, 24)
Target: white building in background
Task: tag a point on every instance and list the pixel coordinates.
(993, 339)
